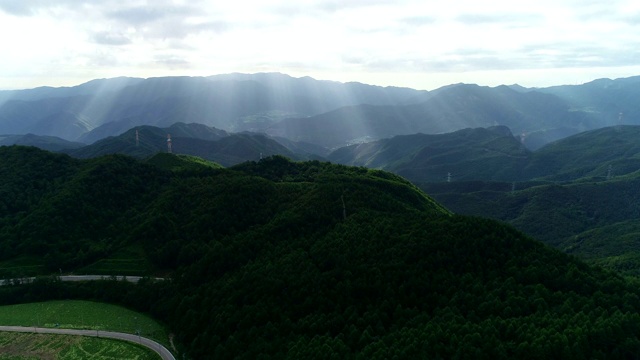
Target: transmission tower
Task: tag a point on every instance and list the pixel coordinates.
(169, 143)
(137, 139)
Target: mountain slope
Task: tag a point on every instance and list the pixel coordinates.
(612, 246)
(614, 102)
(478, 154)
(233, 102)
(49, 143)
(494, 154)
(588, 155)
(188, 139)
(447, 109)
(97, 86)
(293, 260)
(594, 220)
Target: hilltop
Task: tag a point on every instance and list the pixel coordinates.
(469, 154)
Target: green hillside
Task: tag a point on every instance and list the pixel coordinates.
(574, 217)
(181, 162)
(470, 154)
(282, 259)
(614, 246)
(495, 154)
(106, 204)
(576, 185)
(591, 155)
(187, 139)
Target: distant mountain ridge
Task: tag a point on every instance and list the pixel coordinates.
(199, 140)
(447, 109)
(233, 102)
(495, 154)
(49, 143)
(325, 113)
(469, 154)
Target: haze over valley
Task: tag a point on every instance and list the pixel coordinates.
(328, 114)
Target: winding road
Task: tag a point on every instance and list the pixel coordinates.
(156, 347)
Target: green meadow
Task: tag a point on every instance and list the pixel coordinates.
(77, 314)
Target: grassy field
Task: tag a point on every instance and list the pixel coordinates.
(20, 346)
(76, 314)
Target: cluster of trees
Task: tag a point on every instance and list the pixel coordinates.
(277, 259)
(73, 212)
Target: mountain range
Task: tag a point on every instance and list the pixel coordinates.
(495, 154)
(324, 113)
(464, 158)
(563, 193)
(199, 140)
(234, 102)
(578, 194)
(192, 179)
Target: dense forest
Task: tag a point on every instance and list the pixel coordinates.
(596, 220)
(281, 259)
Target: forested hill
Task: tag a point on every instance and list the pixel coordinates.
(280, 259)
(191, 139)
(72, 212)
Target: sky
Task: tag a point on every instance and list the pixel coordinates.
(422, 44)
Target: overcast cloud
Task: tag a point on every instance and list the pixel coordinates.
(422, 44)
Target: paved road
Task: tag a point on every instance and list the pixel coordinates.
(158, 348)
(133, 279)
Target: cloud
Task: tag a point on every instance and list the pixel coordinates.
(103, 59)
(178, 29)
(110, 38)
(167, 21)
(338, 5)
(376, 36)
(172, 62)
(17, 7)
(500, 19)
(419, 20)
(137, 16)
(631, 19)
(33, 7)
(140, 15)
